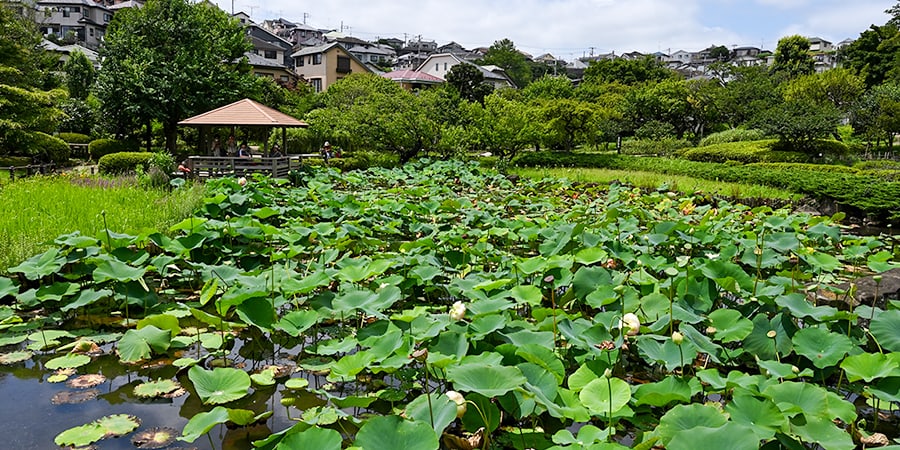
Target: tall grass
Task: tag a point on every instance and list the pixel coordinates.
(39, 209)
(652, 180)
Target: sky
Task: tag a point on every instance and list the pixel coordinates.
(570, 29)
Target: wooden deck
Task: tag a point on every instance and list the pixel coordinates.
(204, 167)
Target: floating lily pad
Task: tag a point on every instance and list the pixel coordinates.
(61, 375)
(72, 397)
(156, 388)
(15, 357)
(158, 437)
(80, 436)
(220, 385)
(298, 383)
(118, 424)
(86, 381)
(69, 361)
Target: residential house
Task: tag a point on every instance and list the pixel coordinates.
(823, 54)
(419, 46)
(295, 33)
(746, 56)
(632, 55)
(410, 61)
(680, 57)
(394, 43)
(323, 65)
(439, 65)
(271, 68)
(412, 80)
(452, 47)
(74, 21)
(65, 51)
(817, 44)
(270, 46)
(242, 17)
(379, 55)
(548, 59)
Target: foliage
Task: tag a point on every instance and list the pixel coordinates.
(747, 92)
(792, 57)
(503, 127)
(43, 147)
(74, 138)
(80, 116)
(565, 121)
(549, 87)
(123, 162)
(504, 55)
(79, 75)
(659, 147)
(356, 285)
(876, 116)
(745, 152)
(468, 82)
(627, 71)
(798, 123)
(838, 87)
(169, 60)
(732, 135)
(873, 54)
(654, 130)
(99, 148)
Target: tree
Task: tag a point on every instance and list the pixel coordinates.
(79, 75)
(549, 87)
(566, 122)
(627, 71)
(719, 53)
(504, 127)
(874, 54)
(28, 98)
(504, 55)
(838, 87)
(798, 123)
(468, 82)
(169, 60)
(792, 57)
(876, 115)
(746, 92)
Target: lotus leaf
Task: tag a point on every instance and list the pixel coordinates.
(312, 438)
(220, 385)
(442, 408)
(871, 366)
(822, 347)
(156, 388)
(118, 424)
(80, 436)
(14, 357)
(69, 361)
(729, 436)
(886, 328)
(487, 380)
(761, 415)
(683, 418)
(139, 345)
(605, 395)
(730, 325)
(393, 432)
(669, 390)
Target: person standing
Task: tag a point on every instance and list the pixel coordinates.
(215, 149)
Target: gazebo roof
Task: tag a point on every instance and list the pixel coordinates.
(244, 112)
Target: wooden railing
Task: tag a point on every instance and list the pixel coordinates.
(79, 150)
(203, 167)
(29, 170)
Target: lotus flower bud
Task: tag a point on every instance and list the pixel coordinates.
(242, 181)
(607, 373)
(677, 338)
(630, 324)
(457, 311)
(460, 402)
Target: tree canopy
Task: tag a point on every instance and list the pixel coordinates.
(169, 60)
(627, 71)
(792, 57)
(503, 54)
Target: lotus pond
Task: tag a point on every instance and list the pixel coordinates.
(445, 305)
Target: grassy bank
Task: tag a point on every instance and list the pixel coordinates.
(653, 180)
(39, 209)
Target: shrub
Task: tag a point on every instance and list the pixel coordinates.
(655, 129)
(878, 164)
(816, 148)
(732, 135)
(746, 152)
(123, 162)
(74, 138)
(45, 148)
(662, 147)
(102, 147)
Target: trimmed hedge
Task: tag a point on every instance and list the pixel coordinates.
(661, 147)
(45, 148)
(356, 161)
(123, 162)
(746, 152)
(862, 193)
(733, 135)
(74, 138)
(101, 147)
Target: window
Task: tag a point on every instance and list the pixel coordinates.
(317, 59)
(316, 84)
(270, 54)
(92, 31)
(284, 79)
(107, 17)
(300, 61)
(445, 67)
(437, 67)
(343, 64)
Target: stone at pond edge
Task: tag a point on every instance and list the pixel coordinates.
(888, 287)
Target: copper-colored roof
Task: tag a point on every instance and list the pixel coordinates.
(411, 76)
(244, 112)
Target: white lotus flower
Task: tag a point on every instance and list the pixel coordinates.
(242, 181)
(457, 311)
(460, 402)
(630, 323)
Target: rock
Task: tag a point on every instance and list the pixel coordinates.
(866, 289)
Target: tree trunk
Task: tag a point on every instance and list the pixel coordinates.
(170, 130)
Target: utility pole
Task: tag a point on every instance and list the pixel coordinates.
(305, 16)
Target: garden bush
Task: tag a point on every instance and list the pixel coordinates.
(732, 135)
(45, 148)
(74, 138)
(123, 162)
(744, 151)
(819, 148)
(101, 147)
(661, 147)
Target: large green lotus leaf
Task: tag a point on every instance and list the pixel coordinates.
(730, 436)
(800, 307)
(258, 312)
(56, 291)
(769, 336)
(113, 269)
(727, 275)
(139, 345)
(47, 339)
(824, 348)
(161, 321)
(85, 297)
(220, 385)
(487, 380)
(15, 357)
(484, 325)
(312, 438)
(887, 389)
(529, 295)
(687, 417)
(794, 398)
(392, 432)
(296, 322)
(244, 417)
(68, 361)
(821, 262)
(761, 415)
(543, 357)
(441, 406)
(41, 265)
(588, 278)
(346, 368)
(155, 388)
(886, 328)
(605, 395)
(305, 285)
(80, 436)
(730, 325)
(667, 353)
(701, 342)
(784, 371)
(202, 422)
(870, 366)
(825, 433)
(670, 389)
(118, 424)
(371, 303)
(481, 412)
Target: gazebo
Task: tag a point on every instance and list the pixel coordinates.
(244, 113)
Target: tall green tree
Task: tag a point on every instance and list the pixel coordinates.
(874, 55)
(79, 75)
(792, 57)
(746, 92)
(28, 97)
(627, 71)
(504, 55)
(468, 82)
(504, 127)
(169, 60)
(838, 87)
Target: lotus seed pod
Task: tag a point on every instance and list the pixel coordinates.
(772, 334)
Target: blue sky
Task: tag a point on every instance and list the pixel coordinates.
(572, 28)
